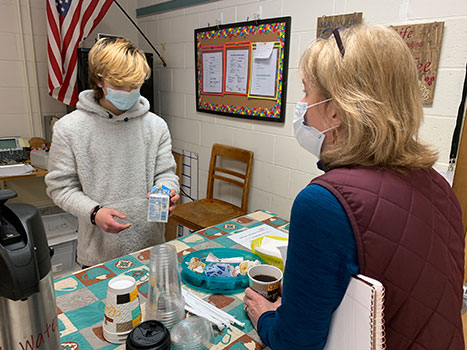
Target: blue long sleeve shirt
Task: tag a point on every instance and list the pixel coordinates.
(321, 258)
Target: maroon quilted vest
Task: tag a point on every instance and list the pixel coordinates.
(409, 234)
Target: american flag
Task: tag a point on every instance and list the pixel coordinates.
(68, 23)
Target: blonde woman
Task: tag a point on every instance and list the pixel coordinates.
(108, 154)
(380, 209)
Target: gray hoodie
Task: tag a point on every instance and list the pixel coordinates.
(100, 158)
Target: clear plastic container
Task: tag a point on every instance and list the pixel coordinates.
(60, 227)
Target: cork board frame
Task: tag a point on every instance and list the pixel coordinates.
(245, 106)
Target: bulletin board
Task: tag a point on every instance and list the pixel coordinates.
(241, 69)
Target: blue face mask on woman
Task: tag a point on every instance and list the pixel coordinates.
(123, 100)
(309, 137)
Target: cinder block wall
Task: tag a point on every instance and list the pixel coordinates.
(282, 168)
(24, 98)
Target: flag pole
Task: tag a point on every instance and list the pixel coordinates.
(141, 32)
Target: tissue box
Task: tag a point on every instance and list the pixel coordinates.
(40, 159)
(269, 259)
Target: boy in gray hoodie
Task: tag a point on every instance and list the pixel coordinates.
(108, 154)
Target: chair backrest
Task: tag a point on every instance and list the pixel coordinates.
(240, 179)
(179, 161)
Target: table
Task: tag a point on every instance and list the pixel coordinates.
(37, 173)
(80, 295)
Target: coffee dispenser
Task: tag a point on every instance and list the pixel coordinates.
(28, 313)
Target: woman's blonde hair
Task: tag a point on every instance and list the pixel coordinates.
(117, 61)
(376, 92)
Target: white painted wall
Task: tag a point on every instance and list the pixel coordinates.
(23, 59)
(281, 167)
(23, 62)
(24, 98)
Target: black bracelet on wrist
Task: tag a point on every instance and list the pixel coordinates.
(94, 213)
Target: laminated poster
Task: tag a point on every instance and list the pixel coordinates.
(212, 72)
(264, 72)
(236, 71)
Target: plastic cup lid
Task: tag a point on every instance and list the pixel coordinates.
(150, 335)
(191, 333)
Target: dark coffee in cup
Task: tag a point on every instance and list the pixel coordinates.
(264, 278)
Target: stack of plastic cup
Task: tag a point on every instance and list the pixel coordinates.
(165, 300)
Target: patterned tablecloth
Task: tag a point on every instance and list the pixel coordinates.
(80, 295)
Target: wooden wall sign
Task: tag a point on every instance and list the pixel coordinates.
(326, 24)
(424, 40)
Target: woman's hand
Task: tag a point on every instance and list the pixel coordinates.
(256, 305)
(105, 220)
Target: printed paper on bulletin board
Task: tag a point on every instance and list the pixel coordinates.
(241, 104)
(424, 40)
(326, 24)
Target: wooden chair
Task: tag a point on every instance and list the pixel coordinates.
(209, 211)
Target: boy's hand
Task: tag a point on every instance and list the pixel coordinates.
(105, 220)
(174, 197)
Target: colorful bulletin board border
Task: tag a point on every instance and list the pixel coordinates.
(277, 45)
(248, 106)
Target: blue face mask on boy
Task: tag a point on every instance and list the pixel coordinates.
(123, 100)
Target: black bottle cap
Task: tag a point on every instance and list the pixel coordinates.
(149, 335)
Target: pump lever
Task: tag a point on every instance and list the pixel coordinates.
(6, 195)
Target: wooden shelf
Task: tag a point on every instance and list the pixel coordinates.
(38, 173)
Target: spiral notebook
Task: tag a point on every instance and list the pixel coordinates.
(358, 322)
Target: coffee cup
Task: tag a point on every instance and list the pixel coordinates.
(122, 309)
(266, 280)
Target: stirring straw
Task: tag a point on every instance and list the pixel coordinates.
(204, 309)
